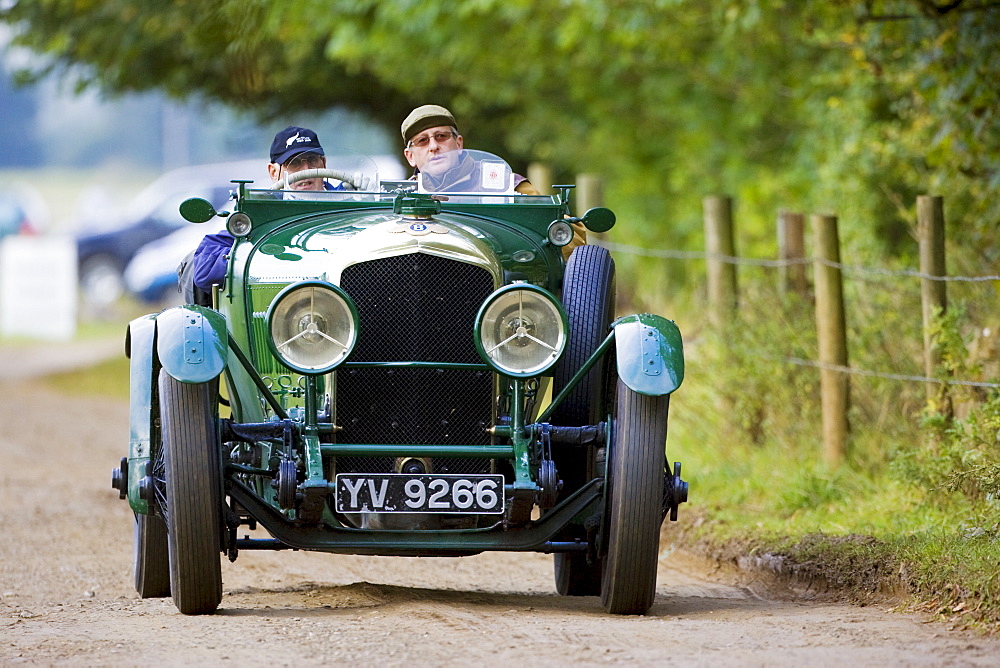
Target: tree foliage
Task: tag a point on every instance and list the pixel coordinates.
(849, 106)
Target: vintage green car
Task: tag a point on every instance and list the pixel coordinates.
(411, 371)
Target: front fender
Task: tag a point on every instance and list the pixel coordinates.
(191, 343)
(139, 348)
(650, 353)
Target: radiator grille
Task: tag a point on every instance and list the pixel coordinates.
(415, 307)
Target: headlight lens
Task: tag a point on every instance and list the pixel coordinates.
(560, 233)
(239, 224)
(521, 330)
(313, 326)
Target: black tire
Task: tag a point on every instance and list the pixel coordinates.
(150, 561)
(194, 503)
(634, 501)
(588, 295)
(575, 577)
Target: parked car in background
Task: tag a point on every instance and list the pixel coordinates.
(104, 253)
(151, 274)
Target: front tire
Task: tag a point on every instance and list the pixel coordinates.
(634, 502)
(589, 299)
(194, 501)
(150, 562)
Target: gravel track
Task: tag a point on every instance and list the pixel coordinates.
(67, 597)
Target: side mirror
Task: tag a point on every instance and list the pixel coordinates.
(599, 219)
(198, 210)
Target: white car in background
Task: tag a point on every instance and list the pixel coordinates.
(151, 274)
(105, 248)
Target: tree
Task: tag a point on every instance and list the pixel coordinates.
(851, 106)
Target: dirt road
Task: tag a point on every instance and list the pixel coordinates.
(67, 598)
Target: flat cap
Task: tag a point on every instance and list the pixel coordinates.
(426, 116)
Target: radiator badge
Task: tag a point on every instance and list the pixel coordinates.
(419, 229)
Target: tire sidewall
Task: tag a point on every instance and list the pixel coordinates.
(194, 504)
(633, 502)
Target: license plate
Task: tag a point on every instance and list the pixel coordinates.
(419, 493)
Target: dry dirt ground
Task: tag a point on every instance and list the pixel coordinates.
(67, 597)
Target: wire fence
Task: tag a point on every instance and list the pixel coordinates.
(671, 254)
(757, 262)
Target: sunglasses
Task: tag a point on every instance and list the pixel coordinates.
(441, 136)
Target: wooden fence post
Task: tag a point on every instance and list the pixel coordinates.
(831, 329)
(722, 294)
(540, 175)
(589, 193)
(933, 294)
(792, 246)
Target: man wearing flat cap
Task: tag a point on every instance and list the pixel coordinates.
(430, 130)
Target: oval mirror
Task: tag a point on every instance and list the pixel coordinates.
(599, 219)
(197, 210)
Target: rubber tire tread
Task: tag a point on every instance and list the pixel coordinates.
(192, 467)
(589, 299)
(634, 502)
(588, 296)
(150, 559)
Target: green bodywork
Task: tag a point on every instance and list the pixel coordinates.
(291, 241)
(140, 342)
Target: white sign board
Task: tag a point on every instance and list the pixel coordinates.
(38, 287)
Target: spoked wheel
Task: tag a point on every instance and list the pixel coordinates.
(193, 498)
(589, 299)
(150, 562)
(634, 499)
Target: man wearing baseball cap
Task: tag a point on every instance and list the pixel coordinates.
(430, 130)
(293, 150)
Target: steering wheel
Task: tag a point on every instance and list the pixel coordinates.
(321, 173)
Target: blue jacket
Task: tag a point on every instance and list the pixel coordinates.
(211, 258)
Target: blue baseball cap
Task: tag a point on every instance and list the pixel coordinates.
(291, 141)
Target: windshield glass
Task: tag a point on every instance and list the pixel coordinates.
(466, 171)
(338, 171)
(467, 176)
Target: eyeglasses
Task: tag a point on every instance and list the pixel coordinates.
(441, 136)
(305, 161)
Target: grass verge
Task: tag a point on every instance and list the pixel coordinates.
(950, 576)
(914, 510)
(107, 379)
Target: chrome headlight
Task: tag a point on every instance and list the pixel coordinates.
(313, 326)
(560, 233)
(521, 330)
(239, 224)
